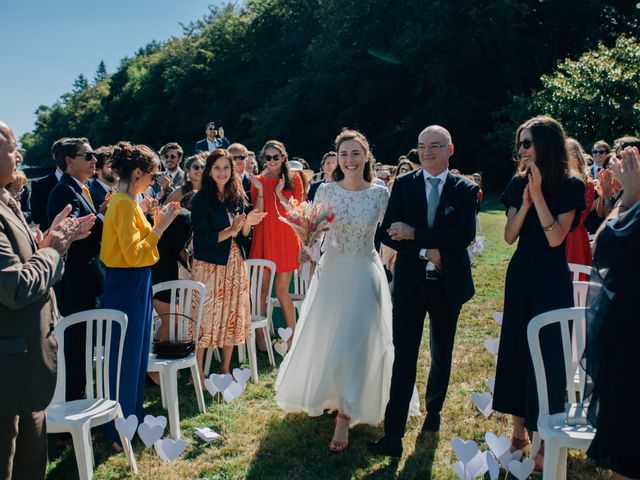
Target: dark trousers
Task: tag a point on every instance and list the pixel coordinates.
(23, 446)
(408, 322)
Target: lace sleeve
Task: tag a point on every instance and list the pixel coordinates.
(382, 203)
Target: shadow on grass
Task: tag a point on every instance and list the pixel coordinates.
(420, 462)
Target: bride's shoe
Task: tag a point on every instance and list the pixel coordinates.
(337, 446)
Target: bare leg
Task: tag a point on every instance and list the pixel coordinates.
(163, 309)
(200, 360)
(226, 359)
(340, 439)
(520, 435)
(283, 280)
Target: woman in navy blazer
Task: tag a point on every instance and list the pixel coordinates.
(222, 222)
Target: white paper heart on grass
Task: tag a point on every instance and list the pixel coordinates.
(210, 386)
(150, 434)
(508, 456)
(497, 316)
(498, 445)
(483, 402)
(285, 333)
(281, 348)
(465, 450)
(521, 470)
(460, 471)
(232, 392)
(222, 381)
(242, 376)
(477, 465)
(492, 465)
(492, 344)
(127, 426)
(169, 449)
(491, 384)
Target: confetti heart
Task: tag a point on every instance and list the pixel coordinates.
(281, 348)
(242, 376)
(492, 344)
(210, 386)
(169, 449)
(465, 450)
(285, 333)
(521, 470)
(127, 426)
(232, 392)
(492, 466)
(460, 471)
(221, 382)
(483, 402)
(497, 316)
(491, 384)
(477, 465)
(150, 434)
(508, 456)
(498, 445)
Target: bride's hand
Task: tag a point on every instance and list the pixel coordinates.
(303, 256)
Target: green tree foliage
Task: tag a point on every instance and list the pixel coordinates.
(299, 70)
(101, 73)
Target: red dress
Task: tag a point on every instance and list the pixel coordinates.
(578, 249)
(273, 239)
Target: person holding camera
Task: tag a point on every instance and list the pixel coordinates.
(214, 139)
(129, 248)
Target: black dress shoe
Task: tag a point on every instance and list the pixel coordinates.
(389, 447)
(431, 423)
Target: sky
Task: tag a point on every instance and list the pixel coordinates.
(46, 44)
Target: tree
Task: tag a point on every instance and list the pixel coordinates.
(101, 73)
(80, 84)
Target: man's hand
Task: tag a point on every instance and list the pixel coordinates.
(401, 231)
(433, 255)
(67, 231)
(221, 132)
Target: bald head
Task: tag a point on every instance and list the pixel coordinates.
(437, 129)
(434, 149)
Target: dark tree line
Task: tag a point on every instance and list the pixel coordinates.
(299, 70)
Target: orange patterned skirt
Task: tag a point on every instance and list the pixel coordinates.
(226, 317)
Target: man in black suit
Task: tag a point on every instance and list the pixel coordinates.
(239, 155)
(102, 184)
(327, 166)
(81, 284)
(430, 221)
(41, 189)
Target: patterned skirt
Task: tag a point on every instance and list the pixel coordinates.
(226, 317)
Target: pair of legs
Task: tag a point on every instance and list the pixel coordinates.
(282, 282)
(23, 446)
(225, 361)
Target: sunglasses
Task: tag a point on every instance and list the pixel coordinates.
(88, 156)
(526, 144)
(211, 129)
(270, 158)
(197, 167)
(240, 157)
(598, 152)
(172, 156)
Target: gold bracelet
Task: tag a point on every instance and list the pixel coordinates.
(550, 227)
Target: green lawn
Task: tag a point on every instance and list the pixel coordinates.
(261, 442)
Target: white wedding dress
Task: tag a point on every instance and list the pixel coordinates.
(342, 352)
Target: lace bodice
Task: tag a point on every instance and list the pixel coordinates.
(357, 216)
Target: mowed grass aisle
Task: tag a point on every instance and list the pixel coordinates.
(261, 442)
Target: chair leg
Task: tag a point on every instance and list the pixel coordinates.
(272, 359)
(253, 361)
(552, 460)
(536, 441)
(207, 360)
(128, 449)
(197, 383)
(216, 354)
(81, 445)
(270, 317)
(242, 353)
(162, 393)
(170, 384)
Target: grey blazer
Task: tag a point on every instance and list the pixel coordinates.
(27, 316)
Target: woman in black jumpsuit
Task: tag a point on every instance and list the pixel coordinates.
(542, 201)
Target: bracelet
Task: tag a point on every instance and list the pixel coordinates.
(550, 227)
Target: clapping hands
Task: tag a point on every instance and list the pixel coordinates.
(627, 172)
(65, 230)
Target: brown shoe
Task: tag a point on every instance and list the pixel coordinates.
(519, 443)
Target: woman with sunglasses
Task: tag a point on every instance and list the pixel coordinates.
(543, 204)
(272, 239)
(129, 248)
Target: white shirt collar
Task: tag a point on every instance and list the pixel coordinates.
(58, 173)
(77, 181)
(104, 185)
(442, 176)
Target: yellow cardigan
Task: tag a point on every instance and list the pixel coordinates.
(128, 240)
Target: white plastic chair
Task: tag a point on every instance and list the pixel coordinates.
(553, 429)
(580, 290)
(299, 292)
(257, 270)
(181, 295)
(101, 406)
(576, 269)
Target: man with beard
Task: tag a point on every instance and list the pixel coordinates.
(105, 177)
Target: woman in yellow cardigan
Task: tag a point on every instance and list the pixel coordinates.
(129, 248)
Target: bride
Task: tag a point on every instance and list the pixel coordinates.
(342, 352)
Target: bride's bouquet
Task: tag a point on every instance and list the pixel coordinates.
(309, 222)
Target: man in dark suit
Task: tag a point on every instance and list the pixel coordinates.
(81, 284)
(214, 139)
(102, 184)
(27, 314)
(430, 221)
(40, 191)
(239, 155)
(327, 165)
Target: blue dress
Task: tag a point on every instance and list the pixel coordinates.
(538, 280)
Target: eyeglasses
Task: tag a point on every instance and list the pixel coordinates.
(172, 156)
(197, 166)
(239, 157)
(598, 152)
(273, 158)
(88, 156)
(432, 148)
(211, 129)
(526, 144)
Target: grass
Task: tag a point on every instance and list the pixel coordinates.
(261, 442)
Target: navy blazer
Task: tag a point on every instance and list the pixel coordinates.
(453, 230)
(40, 191)
(83, 275)
(98, 193)
(207, 221)
(203, 146)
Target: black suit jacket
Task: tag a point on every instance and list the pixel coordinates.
(40, 191)
(454, 229)
(246, 186)
(98, 193)
(84, 275)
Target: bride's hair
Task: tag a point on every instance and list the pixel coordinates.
(348, 134)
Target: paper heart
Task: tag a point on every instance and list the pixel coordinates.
(169, 449)
(483, 402)
(497, 316)
(241, 376)
(477, 465)
(461, 472)
(232, 392)
(285, 333)
(281, 348)
(150, 434)
(491, 384)
(498, 445)
(492, 465)
(521, 470)
(221, 382)
(159, 420)
(508, 456)
(210, 386)
(492, 344)
(465, 450)
(127, 426)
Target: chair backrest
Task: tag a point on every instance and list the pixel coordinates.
(580, 290)
(576, 269)
(98, 352)
(181, 297)
(572, 330)
(299, 284)
(258, 268)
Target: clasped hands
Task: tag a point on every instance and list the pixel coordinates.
(402, 231)
(65, 230)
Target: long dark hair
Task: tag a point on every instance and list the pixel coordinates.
(285, 173)
(345, 135)
(233, 196)
(552, 159)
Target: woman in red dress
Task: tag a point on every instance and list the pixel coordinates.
(578, 248)
(273, 239)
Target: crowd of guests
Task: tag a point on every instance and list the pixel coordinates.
(123, 218)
